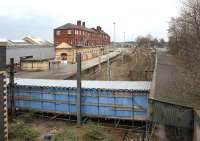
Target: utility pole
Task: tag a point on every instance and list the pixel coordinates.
(3, 93)
(11, 86)
(124, 37)
(78, 96)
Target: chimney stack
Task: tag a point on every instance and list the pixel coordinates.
(79, 23)
(83, 24)
(98, 28)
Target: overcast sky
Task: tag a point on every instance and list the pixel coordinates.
(21, 18)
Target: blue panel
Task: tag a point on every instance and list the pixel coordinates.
(72, 98)
(23, 93)
(72, 108)
(17, 103)
(140, 113)
(140, 100)
(69, 95)
(123, 113)
(123, 101)
(107, 111)
(48, 96)
(91, 110)
(24, 104)
(61, 97)
(48, 106)
(36, 95)
(108, 100)
(89, 99)
(62, 107)
(36, 105)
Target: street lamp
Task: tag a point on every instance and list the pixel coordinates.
(114, 31)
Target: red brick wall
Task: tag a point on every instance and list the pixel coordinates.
(74, 39)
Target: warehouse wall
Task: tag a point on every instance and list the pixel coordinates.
(36, 51)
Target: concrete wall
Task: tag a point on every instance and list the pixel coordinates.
(35, 51)
(196, 131)
(196, 136)
(35, 65)
(169, 114)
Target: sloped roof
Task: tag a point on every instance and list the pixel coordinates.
(64, 45)
(3, 42)
(73, 26)
(18, 42)
(37, 41)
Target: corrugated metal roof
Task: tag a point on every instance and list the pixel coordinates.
(110, 85)
(37, 41)
(3, 40)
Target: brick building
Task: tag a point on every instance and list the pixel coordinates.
(80, 35)
(71, 39)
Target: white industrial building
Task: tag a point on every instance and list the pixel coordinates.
(29, 47)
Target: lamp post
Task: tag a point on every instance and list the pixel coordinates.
(114, 30)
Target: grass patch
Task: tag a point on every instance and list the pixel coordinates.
(95, 132)
(19, 131)
(66, 135)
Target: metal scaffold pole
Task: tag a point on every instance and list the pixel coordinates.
(78, 75)
(109, 69)
(3, 94)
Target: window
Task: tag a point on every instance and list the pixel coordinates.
(63, 56)
(58, 33)
(76, 32)
(69, 31)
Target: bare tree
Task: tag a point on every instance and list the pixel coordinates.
(184, 37)
(146, 41)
